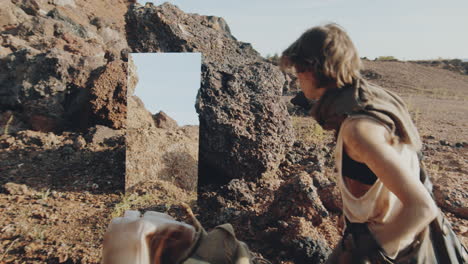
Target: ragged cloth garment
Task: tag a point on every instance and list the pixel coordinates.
(220, 246)
(364, 100)
(152, 238)
(368, 99)
(358, 246)
(378, 206)
(156, 238)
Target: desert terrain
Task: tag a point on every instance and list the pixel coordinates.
(73, 151)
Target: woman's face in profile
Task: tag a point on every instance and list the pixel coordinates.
(309, 85)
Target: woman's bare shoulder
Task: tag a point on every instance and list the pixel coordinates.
(362, 134)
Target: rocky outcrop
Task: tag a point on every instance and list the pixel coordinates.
(132, 77)
(303, 200)
(287, 211)
(291, 86)
(162, 120)
(48, 51)
(108, 96)
(244, 127)
(138, 117)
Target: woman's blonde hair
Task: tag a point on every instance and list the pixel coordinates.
(328, 52)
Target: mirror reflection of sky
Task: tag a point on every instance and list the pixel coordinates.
(169, 82)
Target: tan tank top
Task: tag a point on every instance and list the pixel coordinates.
(378, 205)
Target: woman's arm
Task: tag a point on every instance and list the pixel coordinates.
(368, 142)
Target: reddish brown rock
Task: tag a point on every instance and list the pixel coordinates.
(49, 50)
(328, 192)
(132, 80)
(162, 120)
(108, 99)
(289, 212)
(450, 194)
(299, 197)
(43, 123)
(138, 116)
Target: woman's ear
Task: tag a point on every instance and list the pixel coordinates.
(169, 244)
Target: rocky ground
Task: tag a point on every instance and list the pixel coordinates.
(57, 194)
(58, 214)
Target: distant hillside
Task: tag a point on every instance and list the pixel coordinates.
(456, 65)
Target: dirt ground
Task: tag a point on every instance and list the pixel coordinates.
(59, 192)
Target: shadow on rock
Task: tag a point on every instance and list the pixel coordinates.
(180, 168)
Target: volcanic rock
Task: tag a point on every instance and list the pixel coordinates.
(299, 197)
(308, 250)
(241, 191)
(48, 51)
(290, 214)
(451, 195)
(244, 127)
(329, 195)
(10, 15)
(108, 96)
(291, 86)
(138, 116)
(43, 123)
(132, 76)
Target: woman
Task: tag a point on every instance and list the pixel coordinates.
(386, 206)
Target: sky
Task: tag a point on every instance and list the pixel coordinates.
(169, 82)
(405, 29)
